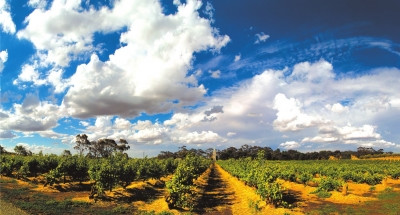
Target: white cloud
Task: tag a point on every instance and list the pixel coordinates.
(271, 106)
(362, 136)
(312, 72)
(65, 31)
(337, 108)
(261, 37)
(290, 145)
(365, 132)
(215, 74)
(32, 116)
(30, 73)
(149, 73)
(34, 148)
(237, 58)
(139, 132)
(37, 3)
(199, 138)
(122, 123)
(153, 133)
(6, 21)
(209, 11)
(3, 59)
(55, 79)
(290, 116)
(231, 134)
(84, 123)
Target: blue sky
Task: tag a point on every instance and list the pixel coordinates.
(306, 75)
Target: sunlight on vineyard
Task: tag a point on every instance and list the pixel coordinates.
(196, 184)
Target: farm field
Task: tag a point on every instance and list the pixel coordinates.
(195, 185)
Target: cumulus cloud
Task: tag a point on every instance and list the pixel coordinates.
(37, 3)
(290, 145)
(149, 73)
(119, 128)
(215, 109)
(34, 148)
(290, 116)
(337, 108)
(365, 135)
(199, 138)
(261, 37)
(304, 107)
(306, 104)
(29, 73)
(270, 108)
(6, 21)
(32, 115)
(6, 134)
(65, 31)
(3, 59)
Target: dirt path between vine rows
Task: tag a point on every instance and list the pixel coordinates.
(225, 194)
(218, 196)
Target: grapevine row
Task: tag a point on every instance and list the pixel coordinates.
(105, 173)
(181, 186)
(328, 175)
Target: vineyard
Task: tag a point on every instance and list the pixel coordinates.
(325, 175)
(117, 184)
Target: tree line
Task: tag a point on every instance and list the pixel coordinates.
(270, 154)
(103, 148)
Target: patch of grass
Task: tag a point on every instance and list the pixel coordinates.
(325, 210)
(120, 209)
(372, 188)
(387, 194)
(254, 205)
(10, 194)
(4, 180)
(159, 213)
(322, 193)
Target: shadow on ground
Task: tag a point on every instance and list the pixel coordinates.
(216, 195)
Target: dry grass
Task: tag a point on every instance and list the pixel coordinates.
(394, 158)
(10, 209)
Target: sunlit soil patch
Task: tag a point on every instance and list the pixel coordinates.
(395, 158)
(247, 201)
(155, 202)
(357, 196)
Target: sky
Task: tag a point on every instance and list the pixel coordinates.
(307, 75)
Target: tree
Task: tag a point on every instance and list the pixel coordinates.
(183, 151)
(123, 145)
(21, 150)
(82, 143)
(66, 153)
(2, 150)
(100, 148)
(105, 147)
